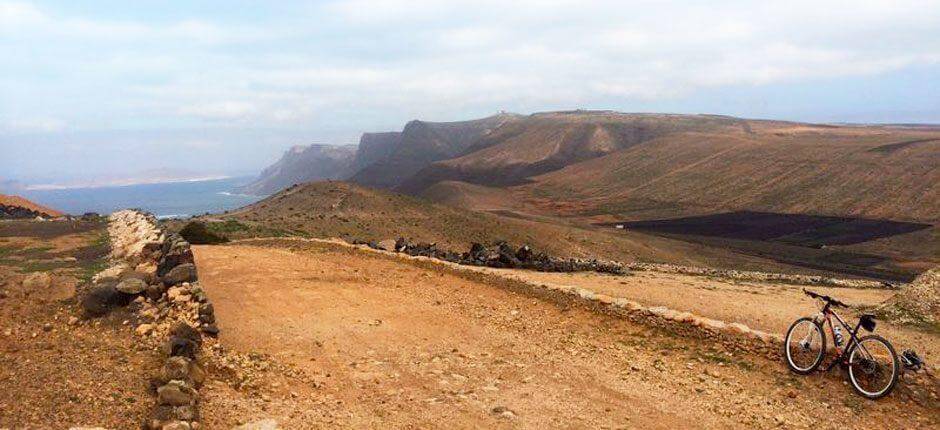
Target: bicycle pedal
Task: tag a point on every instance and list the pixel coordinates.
(911, 360)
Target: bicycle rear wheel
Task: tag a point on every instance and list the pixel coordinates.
(804, 345)
(873, 367)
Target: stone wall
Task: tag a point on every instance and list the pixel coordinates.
(154, 275)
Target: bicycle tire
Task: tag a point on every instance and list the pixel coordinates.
(787, 343)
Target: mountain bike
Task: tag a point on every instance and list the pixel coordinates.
(872, 364)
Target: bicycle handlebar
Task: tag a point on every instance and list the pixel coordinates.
(825, 298)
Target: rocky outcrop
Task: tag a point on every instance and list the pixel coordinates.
(16, 207)
(154, 275)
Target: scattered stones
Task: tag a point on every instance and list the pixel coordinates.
(178, 294)
(744, 275)
(144, 329)
(503, 412)
(265, 424)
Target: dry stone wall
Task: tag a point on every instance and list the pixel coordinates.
(155, 276)
(503, 255)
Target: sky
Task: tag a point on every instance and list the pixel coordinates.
(110, 89)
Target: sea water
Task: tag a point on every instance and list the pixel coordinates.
(166, 200)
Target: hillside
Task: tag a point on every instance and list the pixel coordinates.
(18, 207)
(350, 211)
(860, 200)
(420, 143)
(545, 142)
(859, 172)
(303, 164)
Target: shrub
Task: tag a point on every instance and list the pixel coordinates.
(196, 233)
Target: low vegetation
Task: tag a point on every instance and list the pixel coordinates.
(197, 233)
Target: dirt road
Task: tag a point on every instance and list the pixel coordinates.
(769, 307)
(357, 339)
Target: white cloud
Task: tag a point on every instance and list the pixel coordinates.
(220, 110)
(423, 57)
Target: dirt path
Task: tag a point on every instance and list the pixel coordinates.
(376, 341)
(769, 307)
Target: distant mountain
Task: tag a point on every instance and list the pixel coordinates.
(868, 172)
(391, 159)
(18, 207)
(304, 164)
(382, 160)
(545, 142)
(644, 166)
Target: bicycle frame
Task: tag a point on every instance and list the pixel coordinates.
(826, 314)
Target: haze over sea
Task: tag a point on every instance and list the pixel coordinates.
(166, 200)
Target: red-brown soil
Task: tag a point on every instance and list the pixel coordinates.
(373, 341)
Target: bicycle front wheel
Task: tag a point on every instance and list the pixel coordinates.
(873, 367)
(805, 345)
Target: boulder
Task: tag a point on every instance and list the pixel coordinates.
(210, 329)
(166, 415)
(184, 341)
(102, 298)
(131, 285)
(179, 274)
(176, 393)
(112, 273)
(175, 368)
(138, 274)
(206, 313)
(176, 251)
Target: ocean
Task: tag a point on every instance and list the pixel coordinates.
(167, 200)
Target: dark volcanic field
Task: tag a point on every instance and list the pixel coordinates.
(802, 240)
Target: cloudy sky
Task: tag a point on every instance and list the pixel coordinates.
(109, 88)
